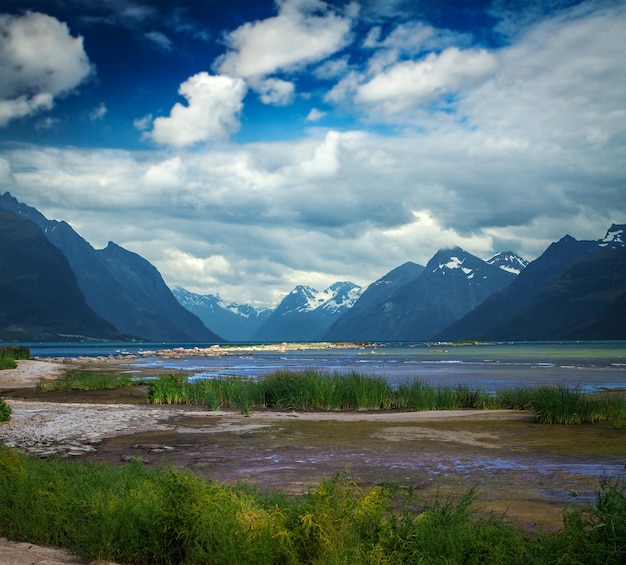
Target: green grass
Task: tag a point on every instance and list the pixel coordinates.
(11, 353)
(129, 514)
(5, 411)
(318, 390)
(89, 380)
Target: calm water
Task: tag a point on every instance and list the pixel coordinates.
(591, 366)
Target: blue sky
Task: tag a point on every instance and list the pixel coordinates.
(247, 147)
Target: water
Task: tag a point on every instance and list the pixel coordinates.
(589, 366)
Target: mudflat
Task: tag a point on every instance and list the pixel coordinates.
(525, 471)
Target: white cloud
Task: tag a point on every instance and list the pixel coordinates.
(144, 123)
(528, 153)
(275, 91)
(159, 40)
(165, 174)
(315, 115)
(39, 61)
(416, 83)
(296, 37)
(98, 113)
(213, 107)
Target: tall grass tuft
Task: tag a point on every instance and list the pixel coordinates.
(319, 390)
(5, 411)
(563, 405)
(88, 380)
(11, 353)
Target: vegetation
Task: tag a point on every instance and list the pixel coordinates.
(318, 390)
(315, 390)
(132, 515)
(11, 353)
(5, 411)
(89, 380)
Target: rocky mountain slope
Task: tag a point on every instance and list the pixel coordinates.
(230, 320)
(40, 297)
(509, 314)
(452, 283)
(305, 313)
(119, 286)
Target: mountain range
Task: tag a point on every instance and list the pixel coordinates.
(117, 286)
(56, 286)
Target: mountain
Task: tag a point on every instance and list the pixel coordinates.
(40, 296)
(497, 317)
(357, 318)
(232, 321)
(509, 261)
(452, 283)
(119, 286)
(305, 313)
(581, 296)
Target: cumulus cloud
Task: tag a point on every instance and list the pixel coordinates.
(39, 61)
(303, 32)
(212, 111)
(275, 91)
(533, 149)
(315, 115)
(416, 83)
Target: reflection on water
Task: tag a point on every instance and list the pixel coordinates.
(590, 366)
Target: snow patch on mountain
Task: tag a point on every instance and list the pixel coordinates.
(509, 262)
(614, 236)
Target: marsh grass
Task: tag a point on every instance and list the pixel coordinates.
(89, 380)
(318, 390)
(11, 353)
(129, 514)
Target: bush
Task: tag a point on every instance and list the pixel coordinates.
(9, 354)
(5, 411)
(129, 514)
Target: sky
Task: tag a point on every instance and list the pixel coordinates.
(244, 147)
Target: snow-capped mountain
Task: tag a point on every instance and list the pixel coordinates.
(452, 283)
(508, 261)
(236, 322)
(306, 313)
(614, 236)
(540, 288)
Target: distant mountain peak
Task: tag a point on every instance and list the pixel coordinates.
(455, 259)
(509, 262)
(614, 235)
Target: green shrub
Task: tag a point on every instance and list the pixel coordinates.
(10, 353)
(129, 514)
(5, 411)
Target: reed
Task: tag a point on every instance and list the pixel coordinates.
(319, 390)
(129, 514)
(11, 353)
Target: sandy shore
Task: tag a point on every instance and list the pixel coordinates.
(29, 373)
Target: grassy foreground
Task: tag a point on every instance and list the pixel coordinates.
(133, 515)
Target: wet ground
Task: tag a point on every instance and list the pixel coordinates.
(527, 471)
